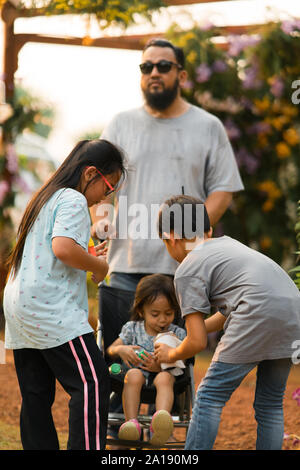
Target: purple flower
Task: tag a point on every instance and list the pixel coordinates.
(277, 87)
(235, 46)
(251, 81)
(22, 184)
(246, 160)
(4, 188)
(207, 26)
(289, 26)
(188, 85)
(296, 395)
(258, 127)
(203, 73)
(238, 43)
(219, 66)
(246, 103)
(11, 159)
(233, 131)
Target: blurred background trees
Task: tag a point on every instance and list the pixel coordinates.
(24, 163)
(251, 82)
(252, 86)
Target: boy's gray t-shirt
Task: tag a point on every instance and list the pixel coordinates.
(164, 155)
(260, 301)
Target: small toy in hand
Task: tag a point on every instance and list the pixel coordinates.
(140, 353)
(91, 248)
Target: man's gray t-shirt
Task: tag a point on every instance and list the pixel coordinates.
(190, 151)
(260, 301)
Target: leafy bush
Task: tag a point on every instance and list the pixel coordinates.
(108, 12)
(28, 113)
(295, 272)
(250, 85)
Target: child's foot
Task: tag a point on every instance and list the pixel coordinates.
(130, 430)
(161, 428)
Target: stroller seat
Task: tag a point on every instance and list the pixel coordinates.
(114, 311)
(149, 391)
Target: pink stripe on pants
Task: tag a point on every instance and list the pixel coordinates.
(85, 387)
(96, 392)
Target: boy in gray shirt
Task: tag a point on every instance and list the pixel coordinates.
(258, 307)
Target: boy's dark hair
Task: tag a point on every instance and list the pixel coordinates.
(148, 289)
(180, 214)
(178, 51)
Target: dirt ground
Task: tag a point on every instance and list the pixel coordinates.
(237, 430)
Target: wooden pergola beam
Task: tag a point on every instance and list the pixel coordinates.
(120, 42)
(131, 42)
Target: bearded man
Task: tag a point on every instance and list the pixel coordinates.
(172, 147)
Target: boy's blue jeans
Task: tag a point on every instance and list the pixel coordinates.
(215, 390)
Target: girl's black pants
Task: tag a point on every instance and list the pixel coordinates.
(81, 370)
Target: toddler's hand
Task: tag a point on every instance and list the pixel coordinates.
(149, 362)
(128, 355)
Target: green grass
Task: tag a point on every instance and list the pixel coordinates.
(10, 437)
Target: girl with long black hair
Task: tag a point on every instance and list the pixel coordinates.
(46, 304)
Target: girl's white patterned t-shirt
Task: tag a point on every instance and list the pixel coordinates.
(46, 304)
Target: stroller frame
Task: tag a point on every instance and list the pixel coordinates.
(184, 395)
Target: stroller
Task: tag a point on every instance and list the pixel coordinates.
(114, 308)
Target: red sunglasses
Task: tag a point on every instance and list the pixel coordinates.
(111, 188)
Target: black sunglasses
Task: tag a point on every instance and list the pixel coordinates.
(163, 66)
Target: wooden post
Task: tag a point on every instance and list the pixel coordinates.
(10, 65)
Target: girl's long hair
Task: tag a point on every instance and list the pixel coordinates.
(99, 153)
(148, 289)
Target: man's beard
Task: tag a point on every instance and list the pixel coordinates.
(161, 100)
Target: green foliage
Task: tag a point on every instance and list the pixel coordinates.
(9, 437)
(28, 113)
(295, 272)
(90, 135)
(108, 12)
(249, 86)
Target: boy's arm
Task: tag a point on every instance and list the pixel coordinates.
(215, 322)
(194, 342)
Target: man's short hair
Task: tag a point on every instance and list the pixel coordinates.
(158, 42)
